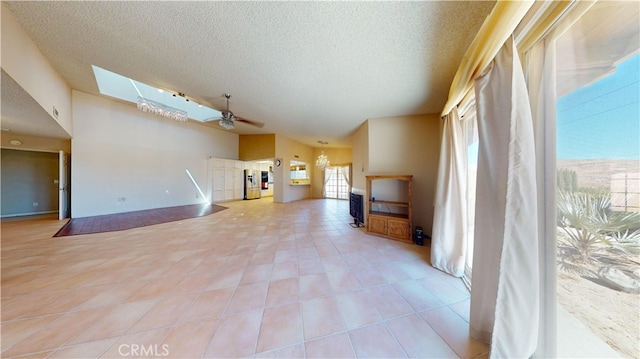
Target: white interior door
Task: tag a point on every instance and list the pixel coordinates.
(63, 186)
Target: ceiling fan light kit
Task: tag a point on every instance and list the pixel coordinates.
(226, 123)
(227, 116)
(228, 119)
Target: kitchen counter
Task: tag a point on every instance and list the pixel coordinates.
(300, 182)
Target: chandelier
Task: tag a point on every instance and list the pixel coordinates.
(159, 109)
(323, 161)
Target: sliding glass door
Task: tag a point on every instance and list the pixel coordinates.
(336, 182)
(588, 70)
(598, 174)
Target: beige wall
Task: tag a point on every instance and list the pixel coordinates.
(256, 147)
(23, 61)
(337, 156)
(287, 150)
(34, 143)
(29, 182)
(408, 145)
(360, 158)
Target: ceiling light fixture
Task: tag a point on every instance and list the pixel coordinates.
(227, 116)
(323, 161)
(226, 123)
(158, 108)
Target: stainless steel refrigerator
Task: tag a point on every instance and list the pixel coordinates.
(251, 184)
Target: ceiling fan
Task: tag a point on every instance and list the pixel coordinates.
(228, 119)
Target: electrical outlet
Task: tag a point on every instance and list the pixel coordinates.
(122, 199)
(35, 204)
(197, 195)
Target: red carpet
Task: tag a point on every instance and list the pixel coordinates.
(128, 220)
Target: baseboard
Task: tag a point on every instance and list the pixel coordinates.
(26, 214)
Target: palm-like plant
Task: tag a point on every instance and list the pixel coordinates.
(593, 234)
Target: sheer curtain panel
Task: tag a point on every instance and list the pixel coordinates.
(505, 294)
(449, 235)
(346, 174)
(542, 93)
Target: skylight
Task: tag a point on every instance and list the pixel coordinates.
(121, 87)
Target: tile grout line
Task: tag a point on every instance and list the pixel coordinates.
(305, 237)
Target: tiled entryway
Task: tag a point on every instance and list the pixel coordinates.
(260, 279)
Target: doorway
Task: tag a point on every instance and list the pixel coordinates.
(337, 182)
(34, 183)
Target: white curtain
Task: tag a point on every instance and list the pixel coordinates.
(326, 173)
(496, 28)
(346, 174)
(449, 234)
(505, 289)
(542, 92)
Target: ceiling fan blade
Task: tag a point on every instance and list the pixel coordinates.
(249, 122)
(228, 115)
(224, 114)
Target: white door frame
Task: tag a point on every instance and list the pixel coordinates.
(63, 186)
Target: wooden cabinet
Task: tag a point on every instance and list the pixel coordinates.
(388, 207)
(399, 228)
(377, 224)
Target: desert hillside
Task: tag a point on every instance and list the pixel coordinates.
(597, 173)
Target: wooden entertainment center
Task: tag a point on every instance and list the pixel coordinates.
(391, 219)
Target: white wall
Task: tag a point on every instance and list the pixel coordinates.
(127, 160)
(23, 61)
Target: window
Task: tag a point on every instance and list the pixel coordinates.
(471, 127)
(598, 174)
(336, 182)
(123, 88)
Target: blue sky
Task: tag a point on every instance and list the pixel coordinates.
(602, 120)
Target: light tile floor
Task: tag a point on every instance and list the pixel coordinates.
(259, 279)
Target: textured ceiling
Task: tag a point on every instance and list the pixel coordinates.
(22, 114)
(308, 70)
